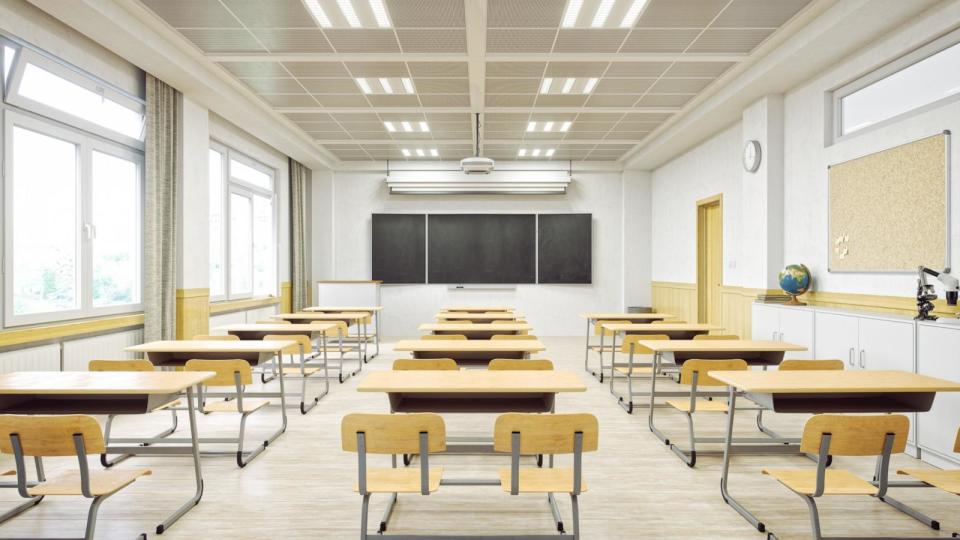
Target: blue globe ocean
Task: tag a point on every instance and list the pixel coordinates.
(795, 279)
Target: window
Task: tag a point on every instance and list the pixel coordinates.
(925, 76)
(243, 229)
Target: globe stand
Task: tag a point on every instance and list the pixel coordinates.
(793, 301)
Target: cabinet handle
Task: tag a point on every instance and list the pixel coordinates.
(774, 337)
(863, 359)
(850, 357)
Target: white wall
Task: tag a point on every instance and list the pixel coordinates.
(552, 309)
(637, 223)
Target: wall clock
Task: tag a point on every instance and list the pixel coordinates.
(751, 156)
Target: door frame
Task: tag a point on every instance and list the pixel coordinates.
(702, 206)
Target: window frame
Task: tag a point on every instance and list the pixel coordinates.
(905, 61)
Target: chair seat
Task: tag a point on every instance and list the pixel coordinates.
(249, 405)
(837, 482)
(168, 405)
(295, 370)
(948, 481)
(406, 480)
(636, 370)
(101, 482)
(545, 480)
(703, 405)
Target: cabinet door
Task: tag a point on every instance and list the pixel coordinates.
(937, 357)
(796, 326)
(837, 337)
(885, 345)
(766, 322)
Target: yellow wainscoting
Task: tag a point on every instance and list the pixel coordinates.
(286, 297)
(72, 329)
(678, 299)
(193, 312)
(241, 305)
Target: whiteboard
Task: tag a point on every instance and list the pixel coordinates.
(348, 293)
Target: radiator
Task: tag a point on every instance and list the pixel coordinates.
(78, 353)
(43, 358)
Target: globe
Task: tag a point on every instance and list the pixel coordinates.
(795, 280)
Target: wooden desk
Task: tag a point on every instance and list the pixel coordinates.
(504, 316)
(257, 331)
(476, 309)
(109, 393)
(373, 310)
(177, 352)
(593, 317)
(827, 392)
(351, 318)
(474, 330)
(685, 331)
(473, 351)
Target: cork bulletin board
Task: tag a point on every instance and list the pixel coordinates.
(889, 211)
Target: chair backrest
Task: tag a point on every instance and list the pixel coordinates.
(302, 341)
(50, 435)
(630, 340)
(442, 337)
(855, 435)
(120, 365)
(512, 336)
(225, 371)
(274, 321)
(340, 328)
(511, 364)
(717, 337)
(393, 433)
(811, 365)
(598, 326)
(703, 368)
(545, 433)
(210, 337)
(426, 364)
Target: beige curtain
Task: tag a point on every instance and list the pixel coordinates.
(161, 203)
(299, 280)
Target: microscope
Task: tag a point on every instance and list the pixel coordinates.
(926, 293)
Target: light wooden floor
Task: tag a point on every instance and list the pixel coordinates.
(301, 487)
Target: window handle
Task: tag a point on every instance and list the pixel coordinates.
(90, 231)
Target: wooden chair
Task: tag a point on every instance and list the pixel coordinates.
(551, 434)
(61, 436)
(429, 364)
(236, 374)
(130, 365)
(511, 364)
(602, 347)
(443, 337)
(946, 480)
(716, 337)
(827, 435)
(274, 321)
(792, 364)
(392, 434)
(696, 374)
(211, 337)
(512, 337)
(630, 347)
(518, 321)
(342, 347)
(300, 355)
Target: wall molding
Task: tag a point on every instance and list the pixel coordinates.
(242, 305)
(36, 335)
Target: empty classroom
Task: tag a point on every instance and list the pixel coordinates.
(479, 269)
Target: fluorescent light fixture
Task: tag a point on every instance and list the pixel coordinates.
(631, 16)
(424, 127)
(591, 82)
(386, 85)
(406, 153)
(390, 127)
(434, 153)
(531, 126)
(550, 152)
(420, 152)
(348, 13)
(522, 152)
(536, 152)
(545, 85)
(406, 126)
(567, 85)
(380, 13)
(407, 85)
(602, 13)
(364, 85)
(548, 126)
(564, 127)
(319, 16)
(573, 11)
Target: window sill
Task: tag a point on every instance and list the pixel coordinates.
(241, 305)
(70, 329)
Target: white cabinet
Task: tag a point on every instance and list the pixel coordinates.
(781, 323)
(865, 342)
(766, 322)
(837, 338)
(938, 355)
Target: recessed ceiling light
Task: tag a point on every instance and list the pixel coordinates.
(406, 126)
(631, 16)
(348, 13)
(573, 11)
(531, 126)
(522, 152)
(420, 152)
(548, 126)
(364, 85)
(434, 153)
(386, 85)
(536, 152)
(390, 127)
(602, 13)
(380, 13)
(406, 153)
(545, 85)
(407, 85)
(591, 82)
(424, 127)
(567, 85)
(313, 6)
(550, 152)
(565, 126)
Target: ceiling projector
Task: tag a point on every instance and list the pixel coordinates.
(476, 165)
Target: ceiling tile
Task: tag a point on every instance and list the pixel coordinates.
(193, 13)
(622, 86)
(441, 86)
(362, 41)
(316, 69)
(505, 100)
(271, 13)
(275, 86)
(286, 100)
(636, 69)
(342, 100)
(729, 41)
(512, 41)
(561, 100)
(387, 100)
(643, 40)
(646, 117)
(512, 86)
(433, 41)
(589, 40)
(681, 14)
(293, 40)
(515, 69)
(438, 69)
(449, 117)
(378, 69)
(328, 135)
(256, 69)
(426, 13)
(575, 69)
(698, 69)
(220, 41)
(320, 126)
(309, 117)
(680, 86)
(356, 117)
(445, 100)
(524, 13)
(758, 13)
(330, 86)
(612, 100)
(664, 100)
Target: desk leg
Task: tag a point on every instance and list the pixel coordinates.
(198, 476)
(600, 369)
(376, 328)
(586, 350)
(725, 472)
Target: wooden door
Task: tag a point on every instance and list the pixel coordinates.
(709, 259)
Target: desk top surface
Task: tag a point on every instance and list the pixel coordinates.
(472, 381)
(475, 309)
(819, 382)
(189, 345)
(652, 328)
(100, 383)
(503, 316)
(627, 316)
(278, 328)
(475, 327)
(352, 315)
(719, 345)
(342, 309)
(470, 345)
